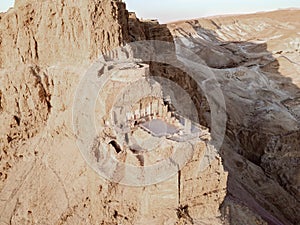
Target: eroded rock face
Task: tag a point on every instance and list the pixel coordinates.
(256, 61)
(46, 47)
(25, 108)
(61, 32)
(36, 38)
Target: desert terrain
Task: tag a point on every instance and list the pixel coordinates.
(247, 171)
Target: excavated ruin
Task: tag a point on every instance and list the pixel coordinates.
(48, 48)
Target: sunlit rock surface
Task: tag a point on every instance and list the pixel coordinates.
(46, 47)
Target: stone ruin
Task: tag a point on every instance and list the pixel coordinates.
(142, 105)
(138, 123)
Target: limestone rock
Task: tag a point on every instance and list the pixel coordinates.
(255, 58)
(61, 32)
(46, 48)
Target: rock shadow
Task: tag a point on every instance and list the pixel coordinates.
(262, 133)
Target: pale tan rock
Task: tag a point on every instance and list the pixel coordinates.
(61, 32)
(46, 48)
(257, 64)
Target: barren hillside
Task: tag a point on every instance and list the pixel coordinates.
(49, 48)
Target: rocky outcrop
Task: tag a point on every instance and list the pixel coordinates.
(255, 60)
(36, 38)
(61, 32)
(25, 108)
(46, 47)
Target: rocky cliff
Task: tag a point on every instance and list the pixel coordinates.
(36, 42)
(256, 61)
(52, 32)
(46, 48)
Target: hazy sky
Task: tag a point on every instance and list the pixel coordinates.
(5, 4)
(171, 10)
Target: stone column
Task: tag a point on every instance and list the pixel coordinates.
(137, 114)
(160, 111)
(148, 110)
(187, 126)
